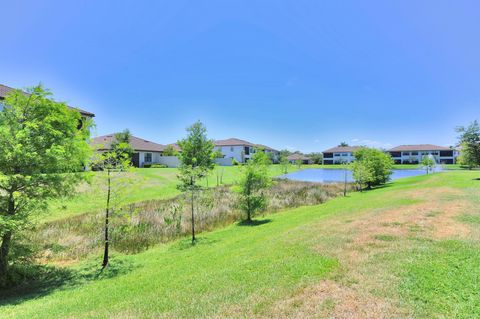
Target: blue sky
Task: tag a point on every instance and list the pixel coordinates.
(297, 74)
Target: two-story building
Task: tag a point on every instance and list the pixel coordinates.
(242, 151)
(413, 154)
(339, 155)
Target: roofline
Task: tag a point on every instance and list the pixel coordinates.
(82, 112)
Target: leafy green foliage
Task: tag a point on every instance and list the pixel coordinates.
(470, 141)
(170, 151)
(372, 167)
(42, 153)
(428, 163)
(284, 163)
(197, 157)
(317, 158)
(255, 179)
(197, 160)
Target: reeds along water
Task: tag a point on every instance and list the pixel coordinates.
(138, 226)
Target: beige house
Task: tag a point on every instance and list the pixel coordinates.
(145, 152)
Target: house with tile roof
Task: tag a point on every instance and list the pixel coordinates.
(413, 154)
(242, 151)
(294, 158)
(145, 152)
(339, 154)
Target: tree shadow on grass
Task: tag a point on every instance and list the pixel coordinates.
(40, 280)
(254, 222)
(186, 243)
(476, 179)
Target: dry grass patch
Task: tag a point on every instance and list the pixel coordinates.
(363, 288)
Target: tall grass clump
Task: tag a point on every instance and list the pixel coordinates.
(138, 226)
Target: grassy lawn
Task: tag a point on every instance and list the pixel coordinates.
(152, 183)
(410, 249)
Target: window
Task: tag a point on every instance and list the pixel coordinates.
(336, 154)
(414, 153)
(231, 148)
(247, 150)
(148, 157)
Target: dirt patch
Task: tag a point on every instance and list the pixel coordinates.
(332, 300)
(359, 290)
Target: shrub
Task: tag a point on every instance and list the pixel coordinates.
(159, 166)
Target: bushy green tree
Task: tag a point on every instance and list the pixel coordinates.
(428, 163)
(284, 164)
(121, 145)
(170, 151)
(470, 141)
(197, 160)
(362, 173)
(375, 166)
(254, 180)
(317, 158)
(42, 156)
(299, 163)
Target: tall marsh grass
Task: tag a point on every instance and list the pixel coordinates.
(138, 226)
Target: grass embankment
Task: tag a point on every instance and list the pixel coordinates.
(410, 249)
(138, 226)
(150, 183)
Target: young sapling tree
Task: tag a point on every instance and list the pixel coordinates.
(197, 161)
(254, 180)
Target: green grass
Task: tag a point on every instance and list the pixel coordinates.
(151, 183)
(443, 279)
(244, 271)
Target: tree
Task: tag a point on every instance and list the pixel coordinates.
(253, 181)
(343, 144)
(470, 141)
(114, 164)
(375, 166)
(197, 160)
(284, 164)
(42, 156)
(170, 151)
(317, 158)
(120, 146)
(299, 163)
(428, 163)
(361, 173)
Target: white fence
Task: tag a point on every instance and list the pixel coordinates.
(170, 161)
(223, 161)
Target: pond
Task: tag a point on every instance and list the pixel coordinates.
(326, 175)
